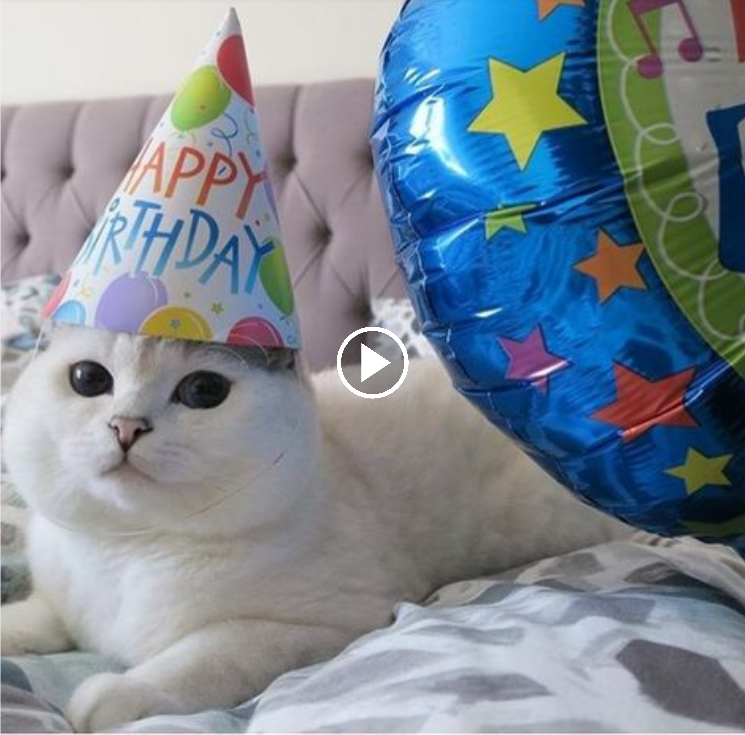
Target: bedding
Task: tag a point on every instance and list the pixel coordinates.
(397, 316)
(628, 636)
(21, 304)
(644, 635)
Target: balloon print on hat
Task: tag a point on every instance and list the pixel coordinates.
(177, 322)
(204, 97)
(231, 61)
(57, 295)
(253, 331)
(128, 300)
(71, 312)
(275, 278)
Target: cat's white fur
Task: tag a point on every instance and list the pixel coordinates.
(369, 503)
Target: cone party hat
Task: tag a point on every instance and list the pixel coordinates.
(189, 246)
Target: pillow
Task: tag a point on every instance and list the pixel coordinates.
(397, 316)
(22, 304)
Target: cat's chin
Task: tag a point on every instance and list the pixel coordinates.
(128, 495)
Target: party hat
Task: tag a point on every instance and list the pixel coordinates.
(189, 246)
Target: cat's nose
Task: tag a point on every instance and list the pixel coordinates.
(129, 430)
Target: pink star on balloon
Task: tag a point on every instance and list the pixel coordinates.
(530, 360)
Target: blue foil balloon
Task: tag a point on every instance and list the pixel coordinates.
(566, 190)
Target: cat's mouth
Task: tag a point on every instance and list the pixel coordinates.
(125, 470)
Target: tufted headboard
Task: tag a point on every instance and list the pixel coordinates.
(61, 162)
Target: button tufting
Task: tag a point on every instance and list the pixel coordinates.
(67, 172)
(2, 174)
(23, 239)
(364, 313)
(323, 234)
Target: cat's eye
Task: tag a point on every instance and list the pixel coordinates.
(90, 379)
(202, 390)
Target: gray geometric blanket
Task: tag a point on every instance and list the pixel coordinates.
(646, 636)
(617, 638)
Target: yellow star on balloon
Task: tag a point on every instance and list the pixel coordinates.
(699, 470)
(548, 6)
(525, 105)
(507, 217)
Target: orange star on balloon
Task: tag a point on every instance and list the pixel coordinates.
(613, 266)
(642, 404)
(548, 6)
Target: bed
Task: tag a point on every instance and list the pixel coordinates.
(641, 635)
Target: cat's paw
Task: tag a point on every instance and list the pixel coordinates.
(15, 639)
(30, 626)
(106, 700)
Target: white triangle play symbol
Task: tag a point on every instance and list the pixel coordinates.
(370, 363)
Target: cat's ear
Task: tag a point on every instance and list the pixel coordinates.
(267, 358)
(281, 358)
(52, 330)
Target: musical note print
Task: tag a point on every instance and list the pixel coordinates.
(724, 125)
(690, 48)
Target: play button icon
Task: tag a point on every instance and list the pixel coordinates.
(380, 375)
(371, 363)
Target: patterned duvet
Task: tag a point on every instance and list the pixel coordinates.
(621, 637)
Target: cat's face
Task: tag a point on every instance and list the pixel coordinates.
(138, 432)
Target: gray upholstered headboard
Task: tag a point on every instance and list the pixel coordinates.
(61, 162)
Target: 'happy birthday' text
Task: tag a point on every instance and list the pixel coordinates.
(152, 170)
(197, 239)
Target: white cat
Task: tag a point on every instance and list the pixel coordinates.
(223, 521)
